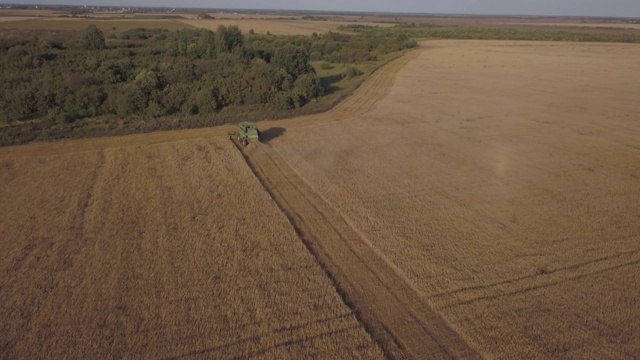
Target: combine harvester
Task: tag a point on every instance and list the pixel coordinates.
(247, 132)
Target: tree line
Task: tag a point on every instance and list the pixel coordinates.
(152, 73)
(431, 31)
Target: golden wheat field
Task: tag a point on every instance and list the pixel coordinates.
(164, 250)
(473, 199)
(503, 179)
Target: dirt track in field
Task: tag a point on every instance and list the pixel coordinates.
(392, 311)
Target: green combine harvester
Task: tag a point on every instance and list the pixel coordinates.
(247, 132)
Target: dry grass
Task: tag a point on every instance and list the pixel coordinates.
(157, 251)
(502, 179)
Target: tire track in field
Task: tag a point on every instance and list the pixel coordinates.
(396, 316)
(284, 336)
(472, 294)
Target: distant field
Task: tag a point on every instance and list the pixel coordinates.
(158, 251)
(292, 24)
(274, 24)
(106, 26)
(275, 27)
(14, 18)
(602, 25)
(262, 26)
(28, 13)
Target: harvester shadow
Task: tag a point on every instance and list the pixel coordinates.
(272, 133)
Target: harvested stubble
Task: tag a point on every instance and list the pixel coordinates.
(501, 178)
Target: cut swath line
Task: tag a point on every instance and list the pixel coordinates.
(394, 314)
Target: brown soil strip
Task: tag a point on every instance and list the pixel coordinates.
(396, 316)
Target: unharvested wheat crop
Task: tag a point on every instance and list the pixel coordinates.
(159, 250)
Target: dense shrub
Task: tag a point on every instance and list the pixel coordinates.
(352, 72)
(92, 39)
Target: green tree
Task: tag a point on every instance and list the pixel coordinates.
(207, 44)
(149, 81)
(316, 56)
(115, 71)
(229, 38)
(293, 60)
(307, 87)
(174, 96)
(92, 39)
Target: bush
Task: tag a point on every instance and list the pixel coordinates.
(352, 72)
(315, 56)
(307, 87)
(93, 39)
(335, 57)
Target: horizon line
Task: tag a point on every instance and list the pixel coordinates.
(335, 12)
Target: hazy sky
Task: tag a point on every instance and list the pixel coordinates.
(622, 8)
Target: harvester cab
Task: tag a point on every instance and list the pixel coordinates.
(247, 132)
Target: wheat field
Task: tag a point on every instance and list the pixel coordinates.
(158, 251)
(473, 199)
(502, 179)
